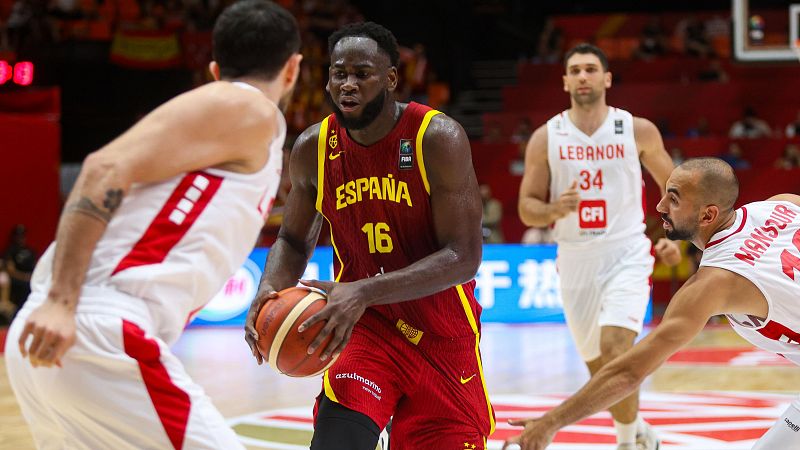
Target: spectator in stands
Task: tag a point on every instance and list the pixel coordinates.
(19, 262)
(493, 134)
(793, 129)
(492, 216)
(692, 34)
(27, 25)
(414, 68)
(750, 126)
(522, 132)
(663, 125)
(699, 130)
(735, 157)
(652, 41)
(550, 44)
(535, 235)
(790, 158)
(714, 72)
(677, 156)
(7, 309)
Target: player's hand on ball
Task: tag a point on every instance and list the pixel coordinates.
(343, 310)
(537, 435)
(568, 200)
(265, 292)
(51, 329)
(668, 252)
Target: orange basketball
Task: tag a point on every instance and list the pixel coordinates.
(280, 344)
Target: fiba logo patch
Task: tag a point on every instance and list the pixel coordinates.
(406, 155)
(235, 296)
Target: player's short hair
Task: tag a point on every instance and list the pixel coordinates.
(378, 33)
(586, 48)
(254, 38)
(717, 182)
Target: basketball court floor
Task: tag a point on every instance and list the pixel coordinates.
(718, 394)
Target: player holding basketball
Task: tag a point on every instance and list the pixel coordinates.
(395, 183)
(158, 220)
(750, 271)
(589, 159)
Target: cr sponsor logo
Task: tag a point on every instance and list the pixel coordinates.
(592, 213)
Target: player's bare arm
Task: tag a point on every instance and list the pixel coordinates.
(203, 128)
(533, 208)
(653, 155)
(709, 292)
(298, 234)
(792, 198)
(657, 161)
(456, 208)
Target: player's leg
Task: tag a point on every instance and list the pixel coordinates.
(615, 341)
(121, 388)
(626, 293)
(785, 433)
(450, 408)
(339, 428)
(361, 390)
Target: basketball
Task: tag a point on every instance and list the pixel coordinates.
(279, 342)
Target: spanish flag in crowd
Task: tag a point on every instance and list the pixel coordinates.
(146, 49)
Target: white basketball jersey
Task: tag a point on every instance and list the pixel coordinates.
(763, 245)
(175, 243)
(609, 175)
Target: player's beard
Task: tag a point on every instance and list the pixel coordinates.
(369, 113)
(677, 234)
(586, 99)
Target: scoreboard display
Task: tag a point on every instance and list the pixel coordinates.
(19, 73)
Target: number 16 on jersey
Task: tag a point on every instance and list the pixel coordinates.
(378, 237)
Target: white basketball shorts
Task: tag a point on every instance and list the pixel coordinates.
(119, 387)
(606, 285)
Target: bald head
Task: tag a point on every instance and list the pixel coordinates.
(714, 179)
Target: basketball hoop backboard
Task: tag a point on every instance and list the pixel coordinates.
(765, 31)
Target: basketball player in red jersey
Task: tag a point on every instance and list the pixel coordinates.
(396, 185)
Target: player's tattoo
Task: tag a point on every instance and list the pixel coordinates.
(86, 206)
(113, 200)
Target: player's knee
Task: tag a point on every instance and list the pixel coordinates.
(340, 428)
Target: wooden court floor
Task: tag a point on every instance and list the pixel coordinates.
(518, 359)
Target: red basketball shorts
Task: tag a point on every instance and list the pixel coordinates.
(434, 389)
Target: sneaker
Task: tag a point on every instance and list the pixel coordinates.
(383, 439)
(646, 438)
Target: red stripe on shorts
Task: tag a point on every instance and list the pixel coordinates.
(179, 213)
(172, 404)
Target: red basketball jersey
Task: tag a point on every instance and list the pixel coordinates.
(376, 200)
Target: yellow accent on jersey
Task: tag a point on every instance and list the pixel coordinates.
(335, 249)
(474, 325)
(420, 134)
(384, 188)
(328, 389)
(322, 148)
